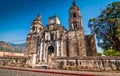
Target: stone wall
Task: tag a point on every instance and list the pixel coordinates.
(89, 63)
(90, 45)
(10, 54)
(76, 43)
(13, 61)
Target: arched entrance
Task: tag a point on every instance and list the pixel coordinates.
(50, 50)
(51, 53)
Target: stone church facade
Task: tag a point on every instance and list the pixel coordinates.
(43, 44)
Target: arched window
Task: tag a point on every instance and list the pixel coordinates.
(33, 28)
(74, 14)
(75, 26)
(52, 37)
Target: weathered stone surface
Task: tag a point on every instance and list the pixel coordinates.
(15, 61)
(90, 45)
(44, 44)
(89, 63)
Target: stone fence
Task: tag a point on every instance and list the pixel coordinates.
(89, 63)
(15, 61)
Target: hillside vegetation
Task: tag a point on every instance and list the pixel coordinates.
(3, 49)
(10, 47)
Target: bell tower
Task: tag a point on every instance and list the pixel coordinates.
(32, 40)
(76, 37)
(36, 25)
(75, 19)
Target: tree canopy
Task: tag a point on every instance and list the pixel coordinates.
(106, 27)
(111, 52)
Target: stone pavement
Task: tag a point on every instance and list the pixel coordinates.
(8, 71)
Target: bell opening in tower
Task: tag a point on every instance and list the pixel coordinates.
(74, 15)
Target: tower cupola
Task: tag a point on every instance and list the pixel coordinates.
(36, 25)
(75, 19)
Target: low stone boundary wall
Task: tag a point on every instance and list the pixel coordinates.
(89, 63)
(16, 61)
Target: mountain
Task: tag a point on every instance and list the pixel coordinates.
(20, 47)
(10, 47)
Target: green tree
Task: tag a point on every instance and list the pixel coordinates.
(106, 27)
(99, 54)
(111, 52)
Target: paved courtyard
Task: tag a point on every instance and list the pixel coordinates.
(8, 71)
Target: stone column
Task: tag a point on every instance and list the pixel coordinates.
(61, 48)
(41, 51)
(58, 51)
(34, 60)
(44, 54)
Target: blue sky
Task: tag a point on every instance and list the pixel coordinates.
(16, 15)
